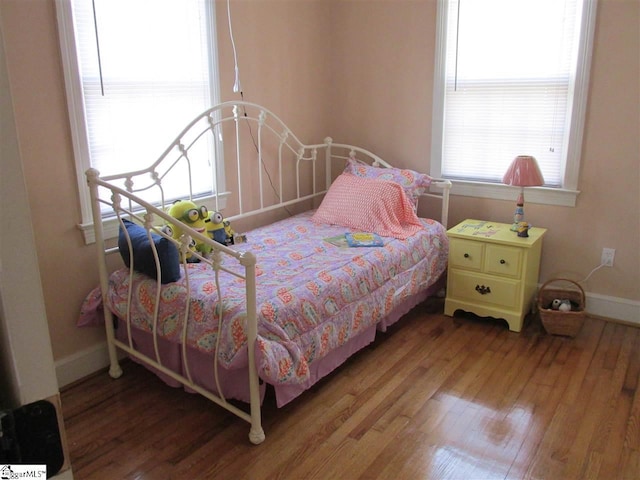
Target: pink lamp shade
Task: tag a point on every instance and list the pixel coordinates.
(523, 172)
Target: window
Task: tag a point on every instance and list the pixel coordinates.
(137, 71)
(511, 79)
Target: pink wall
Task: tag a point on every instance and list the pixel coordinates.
(360, 71)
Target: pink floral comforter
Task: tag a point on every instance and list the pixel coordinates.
(312, 296)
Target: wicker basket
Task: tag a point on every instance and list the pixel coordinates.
(557, 322)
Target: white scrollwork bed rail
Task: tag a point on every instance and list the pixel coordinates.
(258, 166)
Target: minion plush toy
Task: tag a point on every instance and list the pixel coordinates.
(229, 232)
(192, 215)
(215, 225)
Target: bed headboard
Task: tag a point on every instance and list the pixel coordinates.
(260, 165)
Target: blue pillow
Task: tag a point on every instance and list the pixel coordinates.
(143, 260)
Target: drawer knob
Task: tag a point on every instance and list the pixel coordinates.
(466, 255)
(502, 261)
(482, 290)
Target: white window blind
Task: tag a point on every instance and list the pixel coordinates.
(144, 69)
(508, 87)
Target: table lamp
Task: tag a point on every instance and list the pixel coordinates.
(523, 172)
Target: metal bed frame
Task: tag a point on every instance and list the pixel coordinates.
(236, 131)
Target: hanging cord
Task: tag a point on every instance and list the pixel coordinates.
(236, 85)
(237, 88)
(95, 26)
(556, 104)
(455, 85)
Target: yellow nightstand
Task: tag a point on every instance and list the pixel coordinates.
(492, 272)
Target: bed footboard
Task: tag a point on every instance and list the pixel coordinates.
(145, 215)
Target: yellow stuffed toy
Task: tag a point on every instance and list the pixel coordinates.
(220, 229)
(193, 216)
(215, 227)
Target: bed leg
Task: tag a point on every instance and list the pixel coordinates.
(115, 371)
(114, 366)
(256, 435)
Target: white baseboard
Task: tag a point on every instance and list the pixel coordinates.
(81, 364)
(615, 308)
(88, 361)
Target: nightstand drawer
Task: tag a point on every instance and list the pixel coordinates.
(484, 289)
(501, 260)
(466, 254)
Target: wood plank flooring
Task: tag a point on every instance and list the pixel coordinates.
(436, 397)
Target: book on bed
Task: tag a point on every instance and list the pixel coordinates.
(363, 239)
(338, 241)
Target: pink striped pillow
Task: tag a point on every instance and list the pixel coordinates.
(413, 183)
(368, 205)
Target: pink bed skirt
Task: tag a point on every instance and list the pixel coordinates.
(234, 383)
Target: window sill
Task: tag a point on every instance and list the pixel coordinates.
(110, 230)
(111, 226)
(540, 195)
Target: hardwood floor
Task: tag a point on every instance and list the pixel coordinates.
(435, 397)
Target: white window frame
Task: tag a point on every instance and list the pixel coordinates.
(568, 193)
(75, 103)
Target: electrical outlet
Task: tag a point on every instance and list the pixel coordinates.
(607, 256)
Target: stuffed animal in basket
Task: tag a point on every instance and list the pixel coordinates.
(195, 217)
(562, 305)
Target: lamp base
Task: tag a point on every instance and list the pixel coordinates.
(518, 216)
